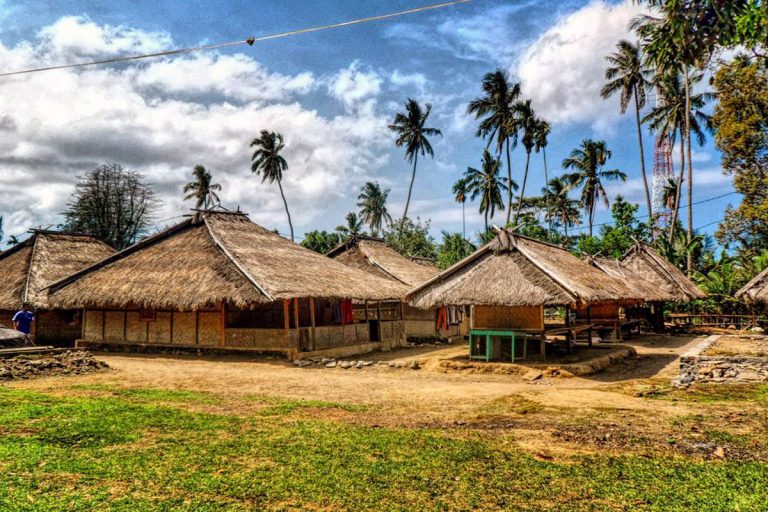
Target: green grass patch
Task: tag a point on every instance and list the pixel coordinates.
(710, 393)
(128, 452)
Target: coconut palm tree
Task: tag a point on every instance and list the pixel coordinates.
(588, 161)
(494, 109)
(527, 124)
(669, 193)
(561, 207)
(460, 193)
(202, 190)
(372, 202)
(628, 76)
(541, 139)
(270, 164)
(412, 133)
(487, 184)
(353, 228)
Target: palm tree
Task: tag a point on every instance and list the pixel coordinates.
(628, 76)
(202, 190)
(353, 228)
(487, 184)
(561, 207)
(527, 124)
(670, 193)
(13, 240)
(413, 134)
(270, 164)
(495, 110)
(668, 118)
(460, 193)
(372, 202)
(541, 140)
(588, 161)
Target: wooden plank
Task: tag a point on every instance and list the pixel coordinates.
(286, 316)
(296, 324)
(197, 327)
(103, 325)
(125, 325)
(312, 320)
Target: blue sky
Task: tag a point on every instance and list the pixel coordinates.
(330, 93)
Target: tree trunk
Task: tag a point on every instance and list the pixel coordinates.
(642, 164)
(410, 189)
(676, 210)
(486, 220)
(689, 262)
(509, 184)
(290, 224)
(546, 191)
(463, 221)
(522, 190)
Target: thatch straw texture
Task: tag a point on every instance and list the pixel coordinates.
(212, 258)
(756, 290)
(518, 271)
(375, 256)
(42, 259)
(670, 282)
(639, 286)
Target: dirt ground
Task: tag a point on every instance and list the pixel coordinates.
(750, 346)
(549, 416)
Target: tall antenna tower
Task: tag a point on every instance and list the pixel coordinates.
(663, 171)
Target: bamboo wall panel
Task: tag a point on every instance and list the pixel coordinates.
(209, 328)
(256, 338)
(183, 328)
(419, 327)
(59, 327)
(160, 329)
(136, 330)
(411, 313)
(114, 326)
(94, 320)
(505, 317)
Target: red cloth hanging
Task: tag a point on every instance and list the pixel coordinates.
(442, 318)
(347, 312)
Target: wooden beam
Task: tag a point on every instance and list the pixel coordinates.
(378, 315)
(286, 315)
(312, 320)
(296, 324)
(197, 327)
(223, 323)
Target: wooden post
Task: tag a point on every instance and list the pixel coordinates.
(296, 324)
(312, 320)
(103, 325)
(366, 311)
(589, 322)
(287, 316)
(172, 315)
(197, 327)
(378, 315)
(125, 325)
(223, 324)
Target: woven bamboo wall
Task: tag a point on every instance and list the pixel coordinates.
(136, 330)
(114, 326)
(160, 329)
(503, 317)
(209, 328)
(184, 328)
(94, 320)
(265, 339)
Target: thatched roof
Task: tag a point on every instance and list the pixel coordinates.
(43, 258)
(668, 281)
(375, 256)
(639, 286)
(756, 290)
(211, 258)
(514, 270)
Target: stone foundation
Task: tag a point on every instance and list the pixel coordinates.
(696, 367)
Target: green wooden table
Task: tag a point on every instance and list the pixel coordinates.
(488, 333)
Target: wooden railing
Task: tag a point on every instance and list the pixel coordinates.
(717, 320)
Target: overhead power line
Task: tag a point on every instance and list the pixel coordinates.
(249, 41)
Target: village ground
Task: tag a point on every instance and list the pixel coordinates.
(161, 432)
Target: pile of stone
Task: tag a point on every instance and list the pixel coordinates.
(326, 362)
(70, 362)
(696, 366)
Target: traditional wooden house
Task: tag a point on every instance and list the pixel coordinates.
(43, 258)
(652, 278)
(217, 280)
(509, 282)
(373, 255)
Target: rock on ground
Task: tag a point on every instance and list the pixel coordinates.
(71, 362)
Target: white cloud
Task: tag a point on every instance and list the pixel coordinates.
(416, 80)
(145, 117)
(564, 69)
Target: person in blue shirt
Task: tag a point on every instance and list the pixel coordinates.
(22, 320)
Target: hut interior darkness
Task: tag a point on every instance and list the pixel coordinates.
(217, 280)
(508, 283)
(373, 255)
(28, 267)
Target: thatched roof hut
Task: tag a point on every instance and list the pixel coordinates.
(639, 286)
(375, 256)
(756, 290)
(514, 270)
(667, 282)
(42, 259)
(216, 257)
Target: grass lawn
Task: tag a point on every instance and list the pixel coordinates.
(137, 450)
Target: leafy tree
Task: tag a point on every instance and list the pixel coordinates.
(453, 249)
(412, 240)
(268, 162)
(741, 133)
(528, 126)
(460, 193)
(678, 249)
(412, 133)
(354, 226)
(587, 162)
(487, 236)
(372, 202)
(628, 76)
(321, 241)
(588, 245)
(495, 111)
(202, 190)
(618, 238)
(113, 204)
(721, 282)
(487, 184)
